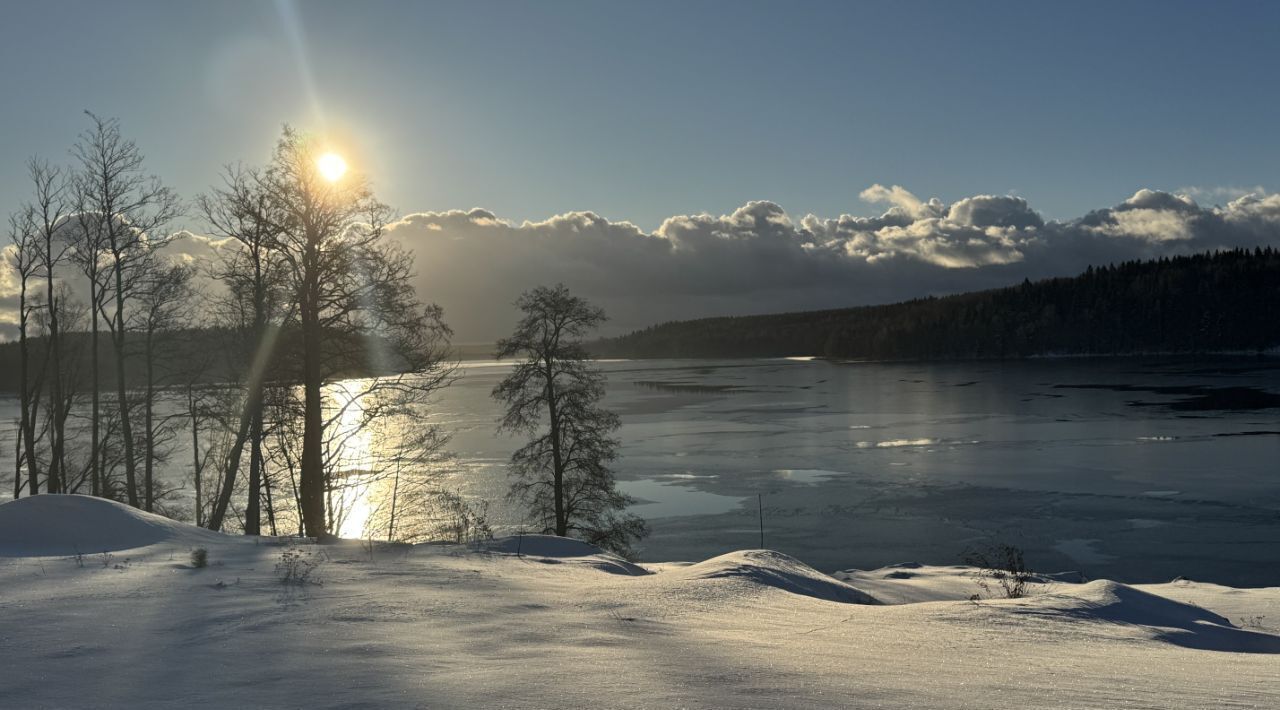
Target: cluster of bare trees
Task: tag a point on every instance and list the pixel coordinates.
(298, 375)
(100, 223)
(305, 292)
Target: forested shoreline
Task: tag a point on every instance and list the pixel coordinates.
(1225, 301)
(188, 355)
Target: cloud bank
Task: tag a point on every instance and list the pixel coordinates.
(760, 259)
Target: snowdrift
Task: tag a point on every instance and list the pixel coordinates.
(52, 525)
(774, 569)
(1172, 621)
(550, 549)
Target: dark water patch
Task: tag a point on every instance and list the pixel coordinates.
(1260, 432)
(1213, 370)
(1194, 398)
(807, 409)
(966, 384)
(681, 387)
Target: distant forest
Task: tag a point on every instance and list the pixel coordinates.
(184, 356)
(1212, 302)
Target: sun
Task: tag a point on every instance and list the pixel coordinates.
(331, 166)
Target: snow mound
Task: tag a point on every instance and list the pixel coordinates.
(774, 569)
(1176, 622)
(50, 525)
(550, 549)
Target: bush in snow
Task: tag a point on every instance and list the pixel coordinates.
(199, 558)
(297, 567)
(459, 520)
(1002, 566)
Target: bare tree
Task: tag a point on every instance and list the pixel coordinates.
(49, 212)
(163, 301)
(125, 211)
(87, 254)
(70, 315)
(243, 211)
(196, 397)
(23, 255)
(357, 309)
(563, 474)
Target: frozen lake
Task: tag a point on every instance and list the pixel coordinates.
(1124, 468)
(1132, 469)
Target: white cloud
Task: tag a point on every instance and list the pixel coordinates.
(759, 258)
(1219, 193)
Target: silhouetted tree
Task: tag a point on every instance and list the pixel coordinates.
(356, 307)
(242, 210)
(563, 473)
(123, 211)
(48, 217)
(23, 256)
(163, 302)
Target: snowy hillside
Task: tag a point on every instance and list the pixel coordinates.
(544, 622)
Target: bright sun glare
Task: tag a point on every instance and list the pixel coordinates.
(331, 166)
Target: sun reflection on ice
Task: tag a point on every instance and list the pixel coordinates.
(351, 450)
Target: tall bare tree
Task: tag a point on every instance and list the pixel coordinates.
(126, 211)
(49, 213)
(87, 254)
(357, 309)
(563, 473)
(23, 255)
(241, 210)
(163, 302)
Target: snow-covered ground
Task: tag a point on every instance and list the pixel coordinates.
(545, 622)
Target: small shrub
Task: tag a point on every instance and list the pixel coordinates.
(459, 520)
(200, 558)
(298, 568)
(1001, 566)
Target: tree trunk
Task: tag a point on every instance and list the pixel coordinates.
(223, 500)
(271, 507)
(195, 454)
(148, 465)
(557, 465)
(253, 511)
(27, 418)
(122, 399)
(17, 467)
(57, 467)
(312, 467)
(95, 470)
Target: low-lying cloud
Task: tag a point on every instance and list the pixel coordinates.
(761, 259)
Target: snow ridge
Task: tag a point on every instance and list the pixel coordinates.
(51, 525)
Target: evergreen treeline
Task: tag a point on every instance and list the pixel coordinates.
(212, 349)
(1220, 301)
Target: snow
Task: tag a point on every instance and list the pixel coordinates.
(537, 621)
(549, 549)
(51, 525)
(766, 568)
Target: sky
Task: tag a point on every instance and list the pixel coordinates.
(641, 113)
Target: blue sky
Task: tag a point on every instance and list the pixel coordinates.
(642, 110)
